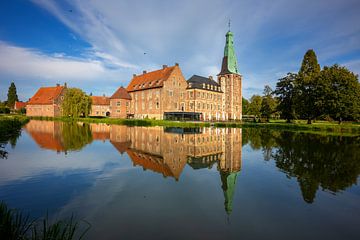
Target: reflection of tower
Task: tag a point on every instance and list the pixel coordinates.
(228, 185)
(230, 164)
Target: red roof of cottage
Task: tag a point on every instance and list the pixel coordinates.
(121, 93)
(149, 80)
(20, 105)
(99, 100)
(46, 95)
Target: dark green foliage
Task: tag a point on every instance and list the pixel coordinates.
(285, 94)
(10, 130)
(338, 93)
(245, 106)
(13, 224)
(4, 109)
(268, 103)
(76, 103)
(75, 136)
(316, 161)
(310, 65)
(305, 90)
(12, 95)
(255, 105)
(332, 93)
(16, 226)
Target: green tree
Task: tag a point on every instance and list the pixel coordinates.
(285, 95)
(306, 96)
(255, 105)
(245, 106)
(268, 103)
(339, 93)
(12, 96)
(76, 103)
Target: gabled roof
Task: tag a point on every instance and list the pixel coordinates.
(20, 105)
(99, 100)
(148, 161)
(204, 83)
(149, 80)
(121, 93)
(46, 95)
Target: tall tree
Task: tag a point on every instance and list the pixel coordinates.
(285, 94)
(255, 105)
(245, 106)
(305, 87)
(12, 96)
(339, 93)
(268, 104)
(76, 103)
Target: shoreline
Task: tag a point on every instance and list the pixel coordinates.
(320, 127)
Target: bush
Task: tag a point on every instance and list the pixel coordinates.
(5, 110)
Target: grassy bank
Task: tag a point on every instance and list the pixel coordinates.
(300, 125)
(11, 124)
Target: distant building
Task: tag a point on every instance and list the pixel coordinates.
(19, 105)
(46, 102)
(100, 106)
(120, 104)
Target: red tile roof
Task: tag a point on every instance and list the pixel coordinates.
(46, 95)
(149, 80)
(121, 93)
(147, 161)
(99, 100)
(19, 105)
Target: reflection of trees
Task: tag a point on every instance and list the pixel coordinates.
(330, 162)
(10, 130)
(59, 136)
(75, 136)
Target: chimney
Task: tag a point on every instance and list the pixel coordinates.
(165, 66)
(176, 64)
(211, 77)
(144, 71)
(134, 75)
(58, 85)
(65, 84)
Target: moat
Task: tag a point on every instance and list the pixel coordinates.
(192, 183)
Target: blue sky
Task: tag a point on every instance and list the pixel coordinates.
(97, 45)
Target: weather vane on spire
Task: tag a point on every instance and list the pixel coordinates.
(229, 24)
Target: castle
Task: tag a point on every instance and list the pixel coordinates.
(166, 94)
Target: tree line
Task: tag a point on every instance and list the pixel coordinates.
(331, 93)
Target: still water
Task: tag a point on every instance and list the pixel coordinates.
(169, 183)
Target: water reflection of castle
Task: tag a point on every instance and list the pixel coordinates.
(165, 151)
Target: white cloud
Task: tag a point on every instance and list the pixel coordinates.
(24, 62)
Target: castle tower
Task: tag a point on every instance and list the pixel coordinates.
(230, 81)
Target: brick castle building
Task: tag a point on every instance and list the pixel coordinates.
(166, 94)
(163, 94)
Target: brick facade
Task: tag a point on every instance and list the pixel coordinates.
(157, 97)
(100, 106)
(46, 102)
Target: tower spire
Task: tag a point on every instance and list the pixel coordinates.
(229, 63)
